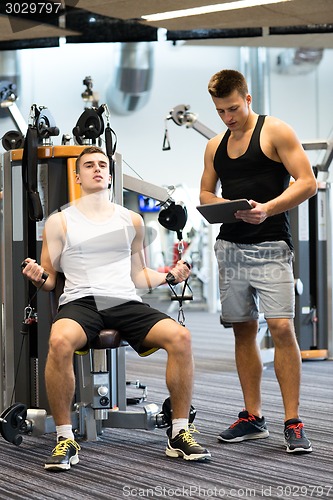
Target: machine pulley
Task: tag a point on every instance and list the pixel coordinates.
(173, 216)
(13, 139)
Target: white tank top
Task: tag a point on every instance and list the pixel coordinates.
(96, 258)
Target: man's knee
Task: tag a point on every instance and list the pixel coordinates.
(180, 339)
(66, 337)
(59, 346)
(282, 330)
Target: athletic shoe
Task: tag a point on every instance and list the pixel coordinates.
(63, 455)
(295, 438)
(247, 426)
(184, 445)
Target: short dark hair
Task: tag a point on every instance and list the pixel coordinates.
(87, 151)
(224, 82)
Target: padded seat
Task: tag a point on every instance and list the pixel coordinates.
(108, 339)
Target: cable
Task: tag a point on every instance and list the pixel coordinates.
(30, 316)
(17, 370)
(129, 166)
(181, 314)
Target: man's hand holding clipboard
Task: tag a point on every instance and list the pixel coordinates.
(218, 213)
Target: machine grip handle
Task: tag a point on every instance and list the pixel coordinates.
(170, 277)
(44, 275)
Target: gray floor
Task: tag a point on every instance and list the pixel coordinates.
(132, 463)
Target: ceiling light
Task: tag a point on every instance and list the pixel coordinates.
(207, 9)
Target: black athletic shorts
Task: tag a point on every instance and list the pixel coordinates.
(132, 319)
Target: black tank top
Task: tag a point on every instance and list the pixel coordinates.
(253, 176)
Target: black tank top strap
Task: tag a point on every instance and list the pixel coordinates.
(254, 145)
(257, 129)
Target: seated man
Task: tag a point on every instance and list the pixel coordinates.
(98, 245)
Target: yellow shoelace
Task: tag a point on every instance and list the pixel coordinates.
(62, 447)
(187, 436)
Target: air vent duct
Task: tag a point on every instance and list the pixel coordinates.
(299, 61)
(130, 88)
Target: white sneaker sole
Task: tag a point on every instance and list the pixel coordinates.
(60, 467)
(298, 450)
(246, 437)
(176, 453)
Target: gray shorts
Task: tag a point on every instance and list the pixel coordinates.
(255, 278)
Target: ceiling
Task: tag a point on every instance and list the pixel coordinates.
(295, 23)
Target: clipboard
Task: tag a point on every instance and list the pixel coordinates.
(217, 213)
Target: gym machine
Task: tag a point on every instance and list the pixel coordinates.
(35, 181)
(12, 139)
(311, 224)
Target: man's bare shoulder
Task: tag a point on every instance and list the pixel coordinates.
(136, 218)
(214, 143)
(217, 138)
(54, 218)
(56, 222)
(276, 125)
(279, 134)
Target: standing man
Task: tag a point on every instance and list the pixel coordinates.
(255, 159)
(98, 246)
